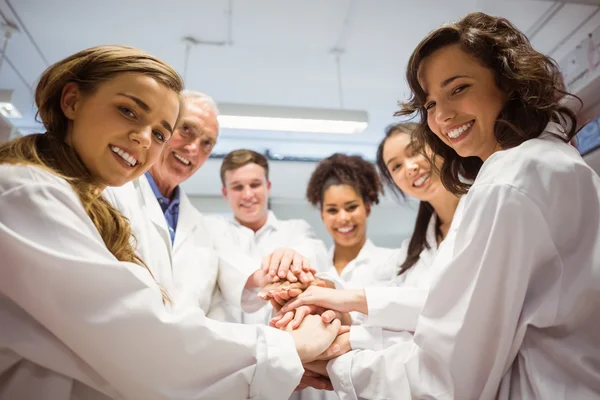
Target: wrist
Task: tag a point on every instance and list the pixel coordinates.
(359, 301)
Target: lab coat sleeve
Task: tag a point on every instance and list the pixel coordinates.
(234, 270)
(466, 338)
(396, 307)
(110, 313)
(375, 337)
(304, 240)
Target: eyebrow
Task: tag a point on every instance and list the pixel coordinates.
(146, 108)
(346, 203)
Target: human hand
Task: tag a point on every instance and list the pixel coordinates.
(285, 263)
(313, 336)
(331, 299)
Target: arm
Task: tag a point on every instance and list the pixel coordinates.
(469, 332)
(58, 270)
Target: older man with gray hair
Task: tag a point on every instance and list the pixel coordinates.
(187, 259)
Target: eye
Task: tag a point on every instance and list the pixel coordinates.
(352, 207)
(237, 188)
(255, 185)
(429, 105)
(160, 138)
(126, 112)
(331, 211)
(460, 89)
(207, 146)
(395, 167)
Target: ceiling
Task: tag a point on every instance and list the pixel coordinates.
(276, 52)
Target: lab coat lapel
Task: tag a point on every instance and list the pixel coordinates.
(152, 209)
(186, 222)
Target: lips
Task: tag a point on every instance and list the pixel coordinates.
(421, 180)
(130, 159)
(458, 130)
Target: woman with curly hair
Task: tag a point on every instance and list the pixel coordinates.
(515, 312)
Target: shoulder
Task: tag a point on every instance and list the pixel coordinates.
(15, 176)
(537, 169)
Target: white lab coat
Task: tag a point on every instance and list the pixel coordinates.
(372, 266)
(192, 265)
(395, 307)
(232, 237)
(515, 313)
(76, 323)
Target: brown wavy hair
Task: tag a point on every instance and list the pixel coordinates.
(531, 80)
(418, 240)
(88, 69)
(340, 169)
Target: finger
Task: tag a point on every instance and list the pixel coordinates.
(293, 304)
(344, 329)
(285, 320)
(284, 296)
(274, 262)
(299, 316)
(266, 262)
(285, 262)
(294, 292)
(297, 263)
(306, 265)
(276, 306)
(291, 277)
(277, 296)
(328, 316)
(317, 383)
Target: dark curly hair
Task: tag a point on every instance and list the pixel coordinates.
(340, 169)
(532, 81)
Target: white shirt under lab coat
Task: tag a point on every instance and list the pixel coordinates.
(191, 267)
(76, 323)
(515, 313)
(232, 237)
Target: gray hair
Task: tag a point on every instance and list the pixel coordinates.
(202, 98)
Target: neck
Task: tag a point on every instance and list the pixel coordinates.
(343, 255)
(164, 188)
(445, 206)
(254, 225)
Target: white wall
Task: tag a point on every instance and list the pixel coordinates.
(390, 222)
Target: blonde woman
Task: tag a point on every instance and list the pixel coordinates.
(80, 314)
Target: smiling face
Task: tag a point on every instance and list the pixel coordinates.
(120, 128)
(191, 144)
(344, 214)
(247, 192)
(462, 101)
(410, 170)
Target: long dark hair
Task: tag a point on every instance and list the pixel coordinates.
(418, 240)
(531, 80)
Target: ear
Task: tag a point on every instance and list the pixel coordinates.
(224, 192)
(368, 208)
(70, 99)
(269, 188)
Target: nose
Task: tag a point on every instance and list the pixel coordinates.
(142, 136)
(412, 168)
(444, 112)
(192, 145)
(343, 216)
(247, 192)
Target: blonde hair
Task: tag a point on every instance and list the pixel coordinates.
(88, 69)
(241, 157)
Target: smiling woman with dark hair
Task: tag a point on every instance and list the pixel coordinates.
(514, 312)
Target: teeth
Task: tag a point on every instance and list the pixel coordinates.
(345, 230)
(421, 180)
(455, 133)
(124, 155)
(183, 160)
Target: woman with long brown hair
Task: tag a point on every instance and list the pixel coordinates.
(515, 311)
(81, 315)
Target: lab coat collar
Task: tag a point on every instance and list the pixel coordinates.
(365, 254)
(152, 209)
(271, 223)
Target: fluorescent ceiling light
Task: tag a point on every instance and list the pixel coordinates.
(292, 119)
(8, 109)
